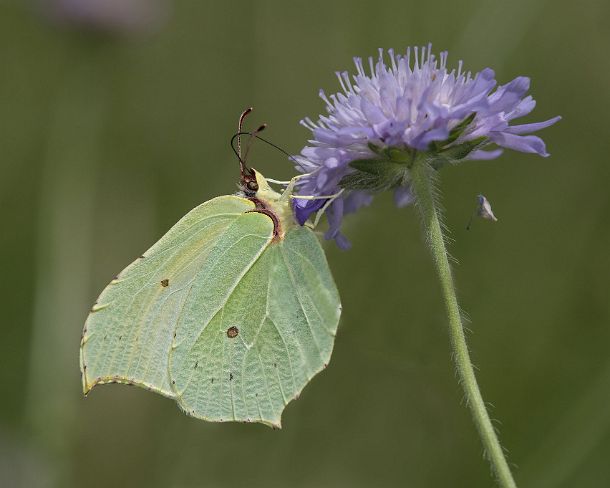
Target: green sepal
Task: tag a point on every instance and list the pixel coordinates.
(376, 149)
(459, 129)
(359, 180)
(400, 155)
(456, 132)
(377, 167)
(375, 175)
(455, 154)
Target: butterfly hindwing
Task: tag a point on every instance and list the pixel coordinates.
(273, 333)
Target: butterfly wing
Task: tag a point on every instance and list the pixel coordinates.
(245, 357)
(129, 332)
(218, 315)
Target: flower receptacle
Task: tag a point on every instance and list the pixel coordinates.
(392, 168)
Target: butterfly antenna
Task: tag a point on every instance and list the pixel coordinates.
(240, 124)
(253, 136)
(266, 141)
(283, 151)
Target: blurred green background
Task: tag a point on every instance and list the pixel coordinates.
(111, 129)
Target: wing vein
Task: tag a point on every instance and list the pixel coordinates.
(297, 294)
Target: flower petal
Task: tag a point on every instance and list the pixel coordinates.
(528, 128)
(481, 155)
(423, 141)
(526, 144)
(508, 96)
(334, 214)
(304, 208)
(355, 200)
(342, 241)
(524, 107)
(403, 196)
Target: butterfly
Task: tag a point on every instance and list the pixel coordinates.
(231, 313)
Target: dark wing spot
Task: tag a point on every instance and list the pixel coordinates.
(230, 376)
(232, 332)
(164, 282)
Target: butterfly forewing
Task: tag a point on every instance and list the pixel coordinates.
(129, 332)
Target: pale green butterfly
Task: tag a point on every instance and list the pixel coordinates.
(230, 313)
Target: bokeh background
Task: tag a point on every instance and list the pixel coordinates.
(115, 120)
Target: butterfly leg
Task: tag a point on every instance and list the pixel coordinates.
(278, 182)
(290, 187)
(288, 194)
(327, 204)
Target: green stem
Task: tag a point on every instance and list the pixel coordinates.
(423, 183)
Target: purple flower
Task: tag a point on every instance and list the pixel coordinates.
(126, 16)
(411, 105)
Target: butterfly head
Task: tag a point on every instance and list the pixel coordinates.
(248, 181)
(252, 184)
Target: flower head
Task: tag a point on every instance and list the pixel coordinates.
(113, 16)
(412, 105)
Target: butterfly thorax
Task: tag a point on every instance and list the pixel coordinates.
(275, 205)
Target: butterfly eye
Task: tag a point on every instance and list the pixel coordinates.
(252, 185)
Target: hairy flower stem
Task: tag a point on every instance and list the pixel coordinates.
(422, 175)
